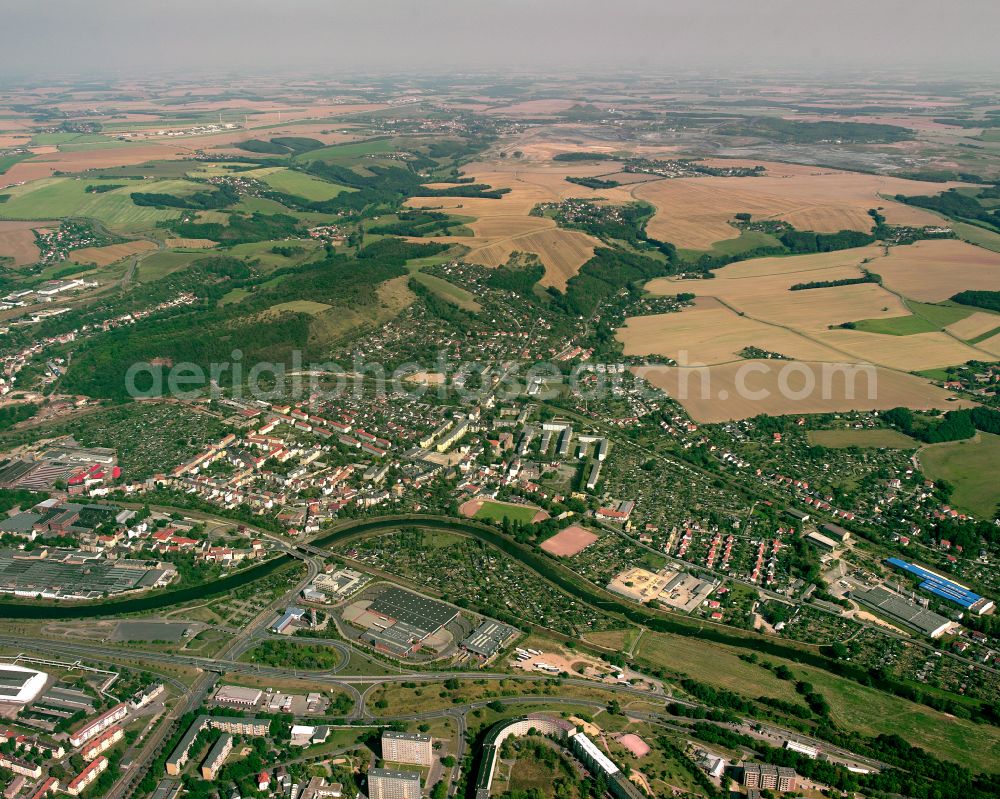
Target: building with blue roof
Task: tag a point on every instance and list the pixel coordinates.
(943, 587)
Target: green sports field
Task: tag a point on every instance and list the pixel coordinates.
(498, 511)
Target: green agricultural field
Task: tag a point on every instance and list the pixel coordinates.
(234, 296)
(96, 144)
(253, 205)
(977, 235)
(65, 197)
(301, 306)
(160, 264)
(353, 150)
(926, 317)
(237, 295)
(497, 511)
(970, 466)
(416, 264)
(988, 334)
(300, 184)
(54, 138)
(7, 161)
(881, 438)
(219, 170)
(449, 291)
(267, 261)
(713, 664)
(746, 241)
(174, 168)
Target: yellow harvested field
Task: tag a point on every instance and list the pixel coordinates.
(102, 256)
(975, 325)
(909, 353)
(748, 388)
(798, 266)
(932, 271)
(694, 213)
(17, 241)
(760, 289)
(991, 345)
(503, 226)
(191, 244)
(750, 304)
(713, 334)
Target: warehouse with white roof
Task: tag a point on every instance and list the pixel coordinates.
(20, 685)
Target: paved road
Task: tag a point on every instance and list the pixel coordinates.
(126, 783)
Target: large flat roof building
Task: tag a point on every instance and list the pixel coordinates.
(488, 637)
(238, 696)
(20, 685)
(896, 607)
(945, 588)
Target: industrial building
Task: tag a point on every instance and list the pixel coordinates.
(166, 789)
(235, 696)
(488, 638)
(896, 607)
(407, 747)
(809, 751)
(72, 574)
(341, 583)
(823, 542)
(404, 620)
(945, 588)
(285, 623)
(384, 783)
(20, 685)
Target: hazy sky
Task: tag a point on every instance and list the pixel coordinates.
(102, 37)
